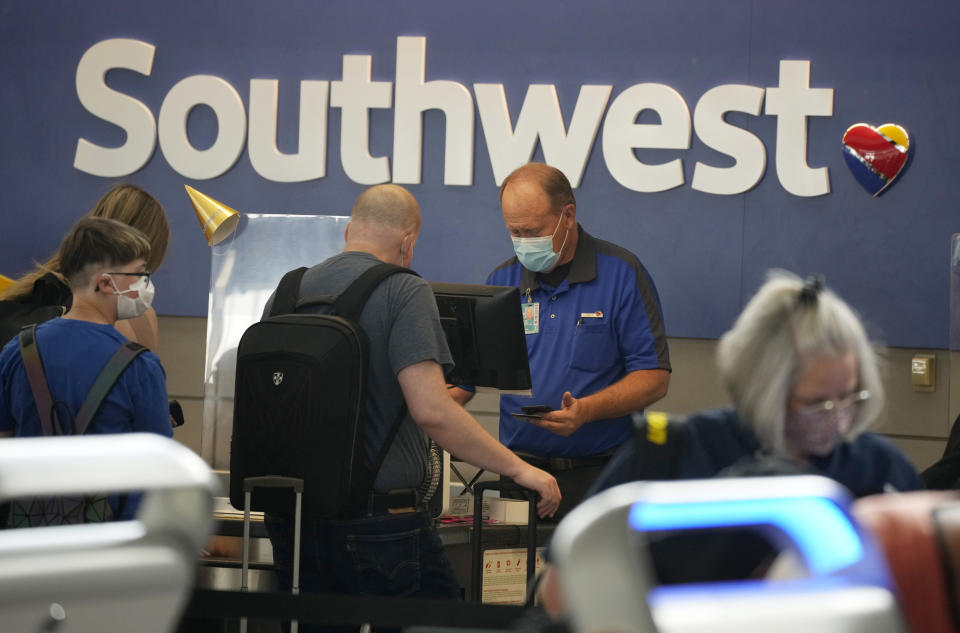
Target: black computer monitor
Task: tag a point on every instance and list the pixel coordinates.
(484, 328)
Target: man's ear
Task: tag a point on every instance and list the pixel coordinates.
(103, 283)
(411, 244)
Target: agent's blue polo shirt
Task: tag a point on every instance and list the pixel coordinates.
(584, 354)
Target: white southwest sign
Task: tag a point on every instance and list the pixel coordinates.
(540, 119)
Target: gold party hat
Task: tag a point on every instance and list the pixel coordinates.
(5, 282)
(217, 219)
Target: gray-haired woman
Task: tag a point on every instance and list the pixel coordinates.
(805, 386)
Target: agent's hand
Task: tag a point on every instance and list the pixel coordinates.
(565, 421)
(545, 485)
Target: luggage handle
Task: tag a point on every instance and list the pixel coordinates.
(478, 490)
(271, 481)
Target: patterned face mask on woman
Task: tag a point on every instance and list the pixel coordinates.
(818, 429)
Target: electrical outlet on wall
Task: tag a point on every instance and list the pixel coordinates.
(923, 373)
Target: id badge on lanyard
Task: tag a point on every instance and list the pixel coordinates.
(531, 317)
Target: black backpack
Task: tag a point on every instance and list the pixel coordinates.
(300, 401)
(50, 298)
(61, 510)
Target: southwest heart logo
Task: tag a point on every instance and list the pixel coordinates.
(876, 156)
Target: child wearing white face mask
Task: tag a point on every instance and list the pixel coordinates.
(129, 307)
(104, 262)
(110, 295)
(42, 290)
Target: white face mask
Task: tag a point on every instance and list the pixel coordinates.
(129, 308)
(536, 253)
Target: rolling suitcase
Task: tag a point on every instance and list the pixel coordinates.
(249, 483)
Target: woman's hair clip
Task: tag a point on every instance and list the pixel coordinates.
(811, 289)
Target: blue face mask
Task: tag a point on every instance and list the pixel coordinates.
(536, 253)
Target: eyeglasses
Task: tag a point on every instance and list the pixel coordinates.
(853, 399)
(145, 275)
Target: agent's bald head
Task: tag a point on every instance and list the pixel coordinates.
(550, 179)
(388, 206)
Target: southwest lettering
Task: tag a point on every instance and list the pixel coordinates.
(539, 121)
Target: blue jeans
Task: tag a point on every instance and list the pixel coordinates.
(384, 555)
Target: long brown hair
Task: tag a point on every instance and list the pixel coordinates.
(125, 203)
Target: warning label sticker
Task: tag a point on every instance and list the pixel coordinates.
(504, 575)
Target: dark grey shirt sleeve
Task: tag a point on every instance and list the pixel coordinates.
(416, 335)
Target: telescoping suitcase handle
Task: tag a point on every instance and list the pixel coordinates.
(271, 481)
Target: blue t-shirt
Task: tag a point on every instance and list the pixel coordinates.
(598, 324)
(73, 354)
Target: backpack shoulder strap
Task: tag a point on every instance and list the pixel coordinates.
(33, 365)
(288, 292)
(351, 301)
(660, 442)
(104, 383)
(367, 486)
(349, 305)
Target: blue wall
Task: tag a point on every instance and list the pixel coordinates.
(886, 61)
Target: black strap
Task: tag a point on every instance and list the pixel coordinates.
(660, 441)
(352, 610)
(33, 365)
(367, 488)
(104, 383)
(351, 301)
(91, 404)
(288, 292)
(349, 305)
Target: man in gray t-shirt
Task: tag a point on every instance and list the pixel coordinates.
(395, 550)
(402, 326)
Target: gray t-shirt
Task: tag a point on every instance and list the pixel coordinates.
(402, 325)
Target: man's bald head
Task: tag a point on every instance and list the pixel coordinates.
(385, 222)
(387, 207)
(550, 179)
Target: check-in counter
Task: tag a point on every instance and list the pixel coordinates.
(220, 567)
